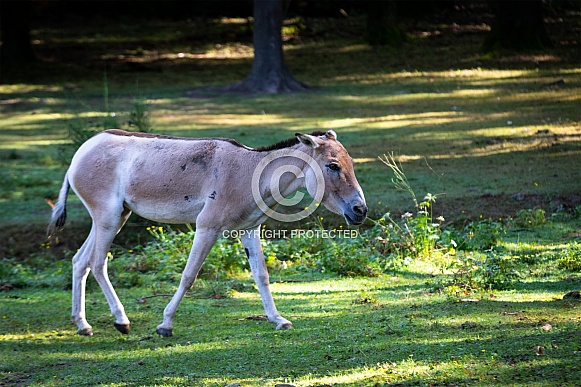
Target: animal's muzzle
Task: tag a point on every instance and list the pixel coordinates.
(357, 214)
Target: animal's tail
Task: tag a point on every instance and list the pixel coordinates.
(59, 211)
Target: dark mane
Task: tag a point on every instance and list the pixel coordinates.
(279, 145)
(285, 143)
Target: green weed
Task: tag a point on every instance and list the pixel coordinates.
(139, 117)
(167, 254)
(480, 235)
(414, 236)
(570, 258)
(474, 272)
(529, 218)
(37, 272)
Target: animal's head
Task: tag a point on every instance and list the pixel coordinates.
(342, 193)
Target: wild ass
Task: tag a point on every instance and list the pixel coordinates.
(210, 182)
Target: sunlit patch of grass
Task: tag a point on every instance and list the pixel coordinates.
(481, 76)
(236, 51)
(228, 120)
(392, 121)
(16, 143)
(31, 121)
(26, 88)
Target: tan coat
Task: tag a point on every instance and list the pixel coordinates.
(218, 184)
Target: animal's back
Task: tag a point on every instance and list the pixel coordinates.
(160, 178)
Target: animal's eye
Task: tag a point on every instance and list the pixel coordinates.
(334, 167)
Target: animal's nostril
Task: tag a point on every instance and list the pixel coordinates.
(360, 210)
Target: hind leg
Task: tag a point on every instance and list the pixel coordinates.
(93, 256)
(80, 273)
(105, 233)
(99, 269)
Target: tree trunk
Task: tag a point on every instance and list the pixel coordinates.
(518, 25)
(14, 21)
(269, 73)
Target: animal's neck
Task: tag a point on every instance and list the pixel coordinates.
(283, 168)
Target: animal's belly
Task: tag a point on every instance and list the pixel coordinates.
(172, 210)
(168, 197)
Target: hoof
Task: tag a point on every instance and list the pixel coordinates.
(85, 332)
(123, 328)
(164, 332)
(284, 326)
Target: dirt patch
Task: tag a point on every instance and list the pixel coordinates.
(24, 242)
(501, 206)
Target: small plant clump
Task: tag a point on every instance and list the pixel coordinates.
(529, 218)
(415, 235)
(570, 258)
(164, 258)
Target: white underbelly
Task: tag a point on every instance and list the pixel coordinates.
(169, 212)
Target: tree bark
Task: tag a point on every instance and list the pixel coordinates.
(269, 73)
(518, 25)
(14, 21)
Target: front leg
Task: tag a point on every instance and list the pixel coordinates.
(253, 249)
(204, 239)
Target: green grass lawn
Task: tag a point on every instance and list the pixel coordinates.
(408, 327)
(347, 332)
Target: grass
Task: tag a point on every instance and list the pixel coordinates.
(348, 332)
(406, 329)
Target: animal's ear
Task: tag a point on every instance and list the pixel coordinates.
(308, 140)
(331, 135)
